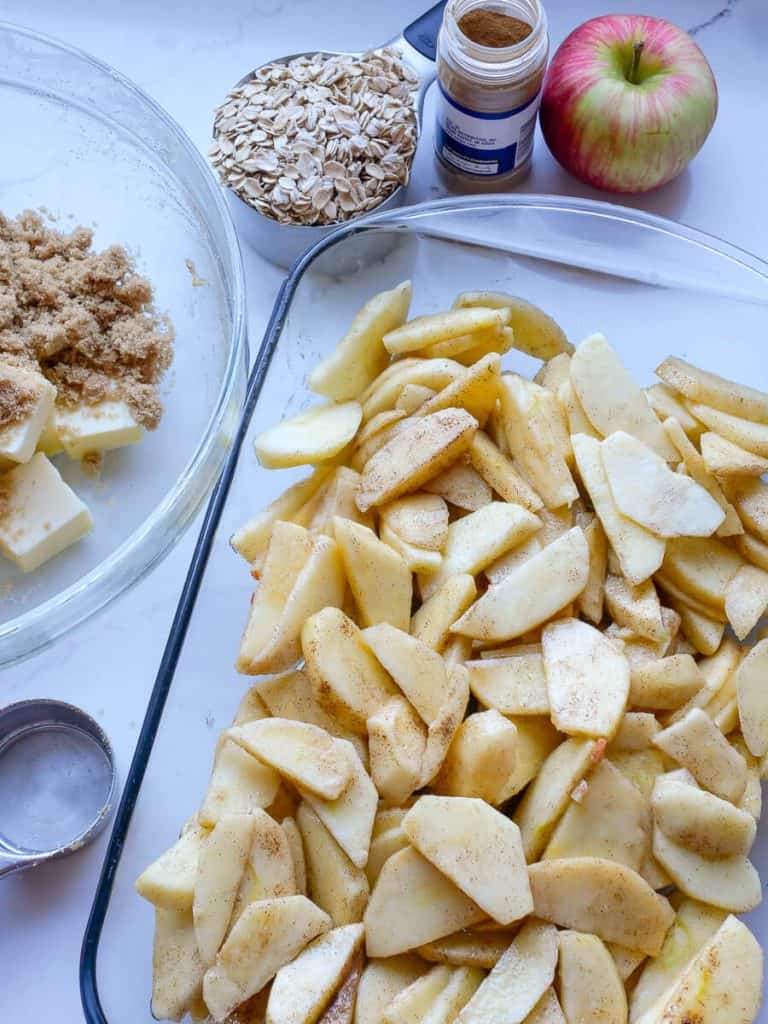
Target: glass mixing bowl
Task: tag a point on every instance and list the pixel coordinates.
(89, 147)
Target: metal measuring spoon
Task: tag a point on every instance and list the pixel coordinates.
(57, 782)
(283, 243)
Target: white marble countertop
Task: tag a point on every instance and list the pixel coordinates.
(186, 55)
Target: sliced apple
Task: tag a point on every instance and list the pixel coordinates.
(667, 403)
(413, 396)
(415, 1002)
(536, 739)
(420, 519)
(428, 330)
(701, 821)
(341, 1009)
(468, 949)
(177, 969)
(724, 458)
(696, 468)
(532, 593)
(220, 866)
(722, 984)
(515, 685)
(397, 741)
(731, 883)
(347, 680)
(268, 871)
(636, 607)
(378, 576)
(703, 386)
(536, 333)
(590, 894)
(478, 539)
(589, 983)
(546, 799)
(481, 759)
(418, 670)
(313, 436)
(296, 849)
(750, 681)
(640, 552)
(360, 356)
(519, 979)
(636, 732)
(289, 695)
(471, 843)
(333, 881)
(302, 574)
(610, 397)
(380, 983)
(302, 752)
(665, 684)
(433, 621)
(703, 568)
(268, 935)
(697, 744)
(443, 729)
(475, 390)
(745, 433)
(500, 474)
(647, 491)
(252, 539)
(746, 598)
(303, 988)
(239, 783)
(383, 847)
(349, 818)
(538, 439)
(416, 454)
(387, 388)
(590, 601)
(587, 679)
(609, 821)
(547, 1010)
(413, 903)
(169, 881)
(461, 486)
(695, 923)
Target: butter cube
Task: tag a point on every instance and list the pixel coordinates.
(96, 428)
(49, 443)
(18, 440)
(41, 515)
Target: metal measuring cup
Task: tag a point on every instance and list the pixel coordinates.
(283, 243)
(57, 782)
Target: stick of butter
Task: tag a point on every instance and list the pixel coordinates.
(18, 440)
(41, 515)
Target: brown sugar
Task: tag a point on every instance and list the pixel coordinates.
(84, 319)
(487, 27)
(16, 398)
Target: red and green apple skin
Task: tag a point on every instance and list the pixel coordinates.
(621, 135)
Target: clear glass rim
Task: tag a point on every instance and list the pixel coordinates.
(165, 525)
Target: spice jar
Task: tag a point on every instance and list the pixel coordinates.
(491, 57)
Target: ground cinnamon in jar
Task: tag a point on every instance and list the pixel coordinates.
(493, 28)
(491, 58)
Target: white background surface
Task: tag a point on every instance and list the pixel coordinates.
(186, 55)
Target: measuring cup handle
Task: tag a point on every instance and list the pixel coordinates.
(422, 33)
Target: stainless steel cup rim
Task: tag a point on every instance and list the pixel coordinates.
(26, 717)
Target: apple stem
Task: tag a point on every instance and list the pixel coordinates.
(637, 51)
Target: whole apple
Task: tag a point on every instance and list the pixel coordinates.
(628, 100)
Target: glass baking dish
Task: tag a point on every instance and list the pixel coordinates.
(652, 286)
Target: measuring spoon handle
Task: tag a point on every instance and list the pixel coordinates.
(422, 33)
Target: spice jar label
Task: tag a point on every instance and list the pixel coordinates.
(481, 143)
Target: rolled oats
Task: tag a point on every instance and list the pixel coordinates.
(318, 139)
